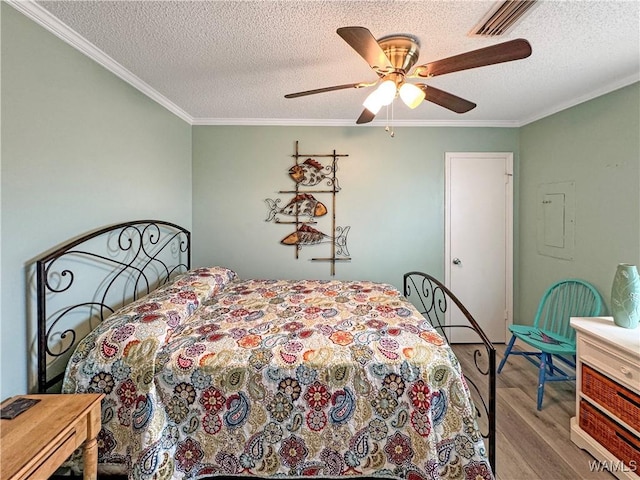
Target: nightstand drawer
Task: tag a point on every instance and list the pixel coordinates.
(49, 464)
(617, 367)
(620, 401)
(619, 441)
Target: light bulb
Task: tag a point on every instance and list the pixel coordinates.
(387, 92)
(411, 95)
(372, 102)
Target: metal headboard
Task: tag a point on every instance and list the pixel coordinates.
(85, 280)
(432, 298)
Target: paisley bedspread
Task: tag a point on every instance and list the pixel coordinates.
(211, 375)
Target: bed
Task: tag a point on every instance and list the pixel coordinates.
(207, 374)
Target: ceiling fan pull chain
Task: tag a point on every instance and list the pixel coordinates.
(389, 126)
(393, 133)
(386, 127)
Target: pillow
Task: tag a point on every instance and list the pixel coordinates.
(178, 299)
(215, 277)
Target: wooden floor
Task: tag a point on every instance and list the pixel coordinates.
(532, 444)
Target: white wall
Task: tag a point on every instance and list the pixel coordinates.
(80, 149)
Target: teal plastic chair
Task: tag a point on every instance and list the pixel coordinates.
(551, 334)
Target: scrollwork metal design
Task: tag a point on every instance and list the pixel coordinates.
(63, 273)
(331, 180)
(69, 331)
(154, 251)
(341, 241)
(432, 299)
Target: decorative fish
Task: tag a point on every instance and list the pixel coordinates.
(301, 204)
(309, 173)
(306, 235)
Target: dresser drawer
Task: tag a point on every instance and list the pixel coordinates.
(607, 361)
(619, 441)
(618, 400)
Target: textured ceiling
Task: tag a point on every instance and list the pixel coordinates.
(233, 61)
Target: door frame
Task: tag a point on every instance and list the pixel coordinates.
(508, 157)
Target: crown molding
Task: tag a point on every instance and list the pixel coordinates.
(42, 17)
(304, 122)
(584, 98)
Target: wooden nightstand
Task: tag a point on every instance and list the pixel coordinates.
(38, 441)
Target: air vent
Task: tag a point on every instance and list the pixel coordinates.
(502, 18)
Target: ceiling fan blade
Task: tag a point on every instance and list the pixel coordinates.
(366, 116)
(326, 89)
(446, 100)
(502, 52)
(363, 42)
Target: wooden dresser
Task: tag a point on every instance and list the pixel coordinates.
(607, 421)
(38, 441)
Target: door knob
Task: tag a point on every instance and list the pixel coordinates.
(456, 261)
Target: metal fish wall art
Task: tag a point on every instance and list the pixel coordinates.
(302, 204)
(311, 177)
(306, 235)
(308, 173)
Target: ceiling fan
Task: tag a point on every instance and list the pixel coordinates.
(392, 58)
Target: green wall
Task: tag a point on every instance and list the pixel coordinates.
(392, 197)
(80, 149)
(597, 145)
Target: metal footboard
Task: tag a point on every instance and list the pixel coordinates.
(448, 315)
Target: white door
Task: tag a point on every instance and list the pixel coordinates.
(479, 240)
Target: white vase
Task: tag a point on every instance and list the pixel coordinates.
(625, 296)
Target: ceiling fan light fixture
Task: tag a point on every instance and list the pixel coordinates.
(393, 56)
(381, 96)
(372, 102)
(411, 95)
(386, 92)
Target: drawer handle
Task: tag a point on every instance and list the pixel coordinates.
(625, 370)
(627, 441)
(629, 399)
